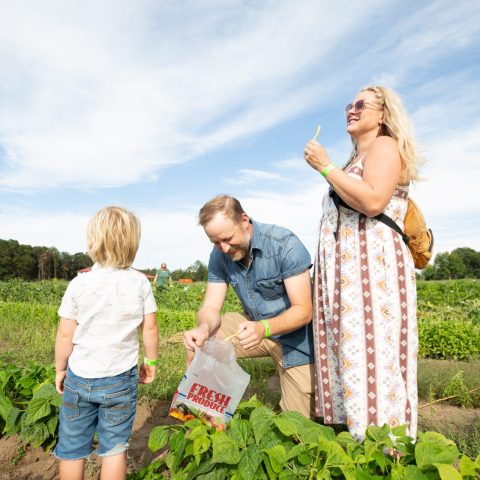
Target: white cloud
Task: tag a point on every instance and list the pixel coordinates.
(89, 100)
(246, 176)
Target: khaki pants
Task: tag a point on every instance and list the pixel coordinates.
(296, 383)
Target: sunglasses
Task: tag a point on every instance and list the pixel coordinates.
(359, 105)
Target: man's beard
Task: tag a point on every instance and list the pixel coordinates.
(239, 252)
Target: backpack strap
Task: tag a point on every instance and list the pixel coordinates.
(381, 217)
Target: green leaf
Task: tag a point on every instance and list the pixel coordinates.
(56, 401)
(218, 474)
(467, 466)
(196, 432)
(12, 425)
(434, 448)
(52, 425)
(201, 444)
(262, 421)
(35, 434)
(240, 431)
(203, 469)
(287, 427)
(44, 390)
(378, 434)
(410, 472)
(158, 438)
(293, 423)
(37, 409)
(225, 449)
(272, 438)
(277, 457)
(448, 472)
(336, 456)
(288, 475)
(5, 406)
(400, 431)
(250, 460)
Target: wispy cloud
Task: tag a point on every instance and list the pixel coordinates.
(99, 104)
(246, 176)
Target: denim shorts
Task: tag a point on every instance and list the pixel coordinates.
(103, 405)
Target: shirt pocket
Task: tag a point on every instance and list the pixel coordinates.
(271, 288)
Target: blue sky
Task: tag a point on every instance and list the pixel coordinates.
(158, 106)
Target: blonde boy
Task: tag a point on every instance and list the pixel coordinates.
(96, 349)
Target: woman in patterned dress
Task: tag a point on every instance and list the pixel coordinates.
(364, 324)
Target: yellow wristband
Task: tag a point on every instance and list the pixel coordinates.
(150, 363)
(267, 329)
(328, 169)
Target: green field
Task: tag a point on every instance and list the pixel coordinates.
(449, 332)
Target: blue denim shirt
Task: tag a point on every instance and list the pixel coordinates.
(276, 254)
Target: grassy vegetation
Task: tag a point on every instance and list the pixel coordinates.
(449, 326)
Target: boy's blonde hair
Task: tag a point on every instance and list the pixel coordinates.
(113, 237)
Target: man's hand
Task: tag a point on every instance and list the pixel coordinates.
(250, 334)
(59, 379)
(195, 337)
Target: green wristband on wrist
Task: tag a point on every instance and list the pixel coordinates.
(150, 363)
(267, 329)
(328, 169)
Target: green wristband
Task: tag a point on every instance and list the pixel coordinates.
(328, 169)
(267, 329)
(150, 363)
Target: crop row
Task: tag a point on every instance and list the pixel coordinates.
(446, 300)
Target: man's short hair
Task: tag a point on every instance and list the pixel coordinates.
(225, 204)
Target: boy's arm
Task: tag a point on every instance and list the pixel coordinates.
(63, 350)
(149, 328)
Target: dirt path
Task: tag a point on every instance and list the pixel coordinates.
(35, 464)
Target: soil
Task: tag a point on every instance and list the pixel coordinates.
(35, 464)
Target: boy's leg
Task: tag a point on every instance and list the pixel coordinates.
(296, 384)
(71, 469)
(114, 467)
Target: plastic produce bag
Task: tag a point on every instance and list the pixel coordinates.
(212, 386)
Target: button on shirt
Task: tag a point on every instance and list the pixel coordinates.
(276, 254)
(109, 305)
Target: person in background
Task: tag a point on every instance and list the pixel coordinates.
(96, 349)
(365, 326)
(268, 267)
(162, 276)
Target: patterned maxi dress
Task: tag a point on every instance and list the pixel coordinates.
(365, 326)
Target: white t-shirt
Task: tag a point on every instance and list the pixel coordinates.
(108, 305)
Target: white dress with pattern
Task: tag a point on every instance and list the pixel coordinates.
(365, 327)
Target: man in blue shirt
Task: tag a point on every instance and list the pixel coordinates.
(268, 267)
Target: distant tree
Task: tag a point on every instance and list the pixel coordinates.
(471, 260)
(25, 262)
(198, 272)
(460, 263)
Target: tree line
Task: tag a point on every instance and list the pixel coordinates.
(38, 263)
(43, 263)
(462, 262)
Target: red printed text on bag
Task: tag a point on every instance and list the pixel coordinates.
(208, 398)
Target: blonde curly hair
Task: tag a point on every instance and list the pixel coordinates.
(397, 126)
(113, 237)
